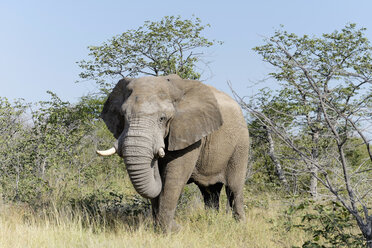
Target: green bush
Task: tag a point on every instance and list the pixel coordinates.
(330, 224)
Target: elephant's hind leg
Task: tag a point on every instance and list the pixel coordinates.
(230, 199)
(235, 201)
(237, 168)
(211, 195)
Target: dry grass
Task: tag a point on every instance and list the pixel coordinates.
(263, 228)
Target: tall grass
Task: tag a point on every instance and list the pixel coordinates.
(21, 227)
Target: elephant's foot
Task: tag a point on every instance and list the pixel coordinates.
(175, 227)
(239, 217)
(167, 227)
(172, 227)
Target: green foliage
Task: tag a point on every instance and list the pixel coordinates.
(48, 154)
(330, 224)
(324, 81)
(13, 140)
(321, 112)
(171, 45)
(339, 64)
(357, 154)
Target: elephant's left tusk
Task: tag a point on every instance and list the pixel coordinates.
(161, 152)
(108, 152)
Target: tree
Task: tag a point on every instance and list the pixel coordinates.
(12, 143)
(261, 134)
(169, 46)
(43, 151)
(328, 83)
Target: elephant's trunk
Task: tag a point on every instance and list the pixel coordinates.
(137, 150)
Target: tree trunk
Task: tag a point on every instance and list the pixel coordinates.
(313, 181)
(367, 230)
(278, 166)
(313, 168)
(315, 155)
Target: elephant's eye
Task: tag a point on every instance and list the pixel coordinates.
(163, 119)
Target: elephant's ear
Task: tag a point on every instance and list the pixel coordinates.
(111, 113)
(197, 113)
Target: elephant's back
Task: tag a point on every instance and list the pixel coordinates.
(231, 112)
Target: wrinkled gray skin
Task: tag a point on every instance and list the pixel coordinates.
(201, 129)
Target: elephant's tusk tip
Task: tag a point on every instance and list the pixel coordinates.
(161, 152)
(108, 152)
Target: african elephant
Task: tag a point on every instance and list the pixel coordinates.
(170, 132)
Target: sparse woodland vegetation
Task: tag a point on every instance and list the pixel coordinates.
(310, 174)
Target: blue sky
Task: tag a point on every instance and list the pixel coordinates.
(40, 41)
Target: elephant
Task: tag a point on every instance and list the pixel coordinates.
(172, 131)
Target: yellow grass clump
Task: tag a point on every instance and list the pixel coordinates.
(20, 227)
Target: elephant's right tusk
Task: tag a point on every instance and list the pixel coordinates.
(108, 152)
(161, 152)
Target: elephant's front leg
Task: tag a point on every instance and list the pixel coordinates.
(176, 174)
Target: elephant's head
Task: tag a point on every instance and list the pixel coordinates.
(142, 113)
